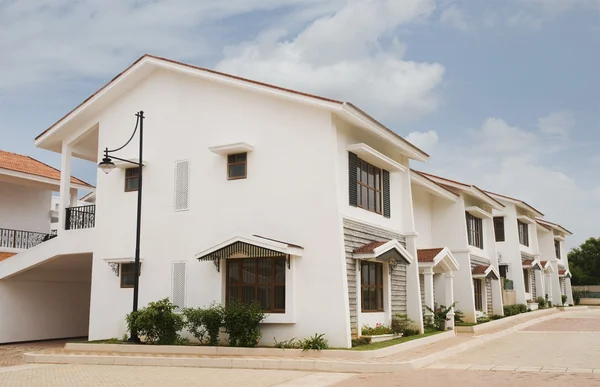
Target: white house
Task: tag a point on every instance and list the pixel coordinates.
(30, 301)
(250, 192)
(457, 218)
(551, 239)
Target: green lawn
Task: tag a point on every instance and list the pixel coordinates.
(389, 343)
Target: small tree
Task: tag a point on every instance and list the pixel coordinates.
(584, 263)
(157, 322)
(241, 322)
(204, 322)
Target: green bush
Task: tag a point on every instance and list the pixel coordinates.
(410, 332)
(576, 296)
(563, 299)
(157, 322)
(400, 323)
(496, 317)
(316, 342)
(361, 341)
(241, 322)
(541, 302)
(286, 344)
(482, 319)
(549, 304)
(379, 329)
(204, 322)
(511, 310)
(458, 316)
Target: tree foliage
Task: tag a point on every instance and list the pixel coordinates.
(584, 263)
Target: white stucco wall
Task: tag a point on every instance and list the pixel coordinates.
(291, 194)
(24, 207)
(33, 310)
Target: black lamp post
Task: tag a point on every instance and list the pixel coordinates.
(107, 165)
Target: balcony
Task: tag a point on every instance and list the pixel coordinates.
(80, 217)
(20, 239)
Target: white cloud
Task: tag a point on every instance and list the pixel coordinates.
(498, 137)
(427, 141)
(511, 161)
(538, 12)
(454, 17)
(557, 124)
(341, 56)
(62, 40)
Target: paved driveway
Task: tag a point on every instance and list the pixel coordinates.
(561, 352)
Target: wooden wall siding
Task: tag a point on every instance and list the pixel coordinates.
(422, 286)
(488, 293)
(563, 287)
(534, 294)
(357, 234)
(476, 261)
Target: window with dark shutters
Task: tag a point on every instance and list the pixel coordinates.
(369, 186)
(499, 228)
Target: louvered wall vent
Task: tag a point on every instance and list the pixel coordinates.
(182, 185)
(178, 285)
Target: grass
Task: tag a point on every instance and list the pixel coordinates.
(465, 324)
(389, 343)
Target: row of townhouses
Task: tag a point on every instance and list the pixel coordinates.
(254, 192)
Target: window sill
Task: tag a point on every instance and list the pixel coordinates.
(279, 318)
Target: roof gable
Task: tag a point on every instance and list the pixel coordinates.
(346, 109)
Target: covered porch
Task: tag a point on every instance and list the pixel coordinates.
(483, 275)
(436, 276)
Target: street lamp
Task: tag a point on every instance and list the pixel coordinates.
(106, 166)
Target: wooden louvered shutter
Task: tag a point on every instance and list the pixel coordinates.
(352, 179)
(386, 193)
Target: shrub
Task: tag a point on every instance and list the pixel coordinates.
(401, 323)
(511, 310)
(204, 322)
(549, 304)
(522, 308)
(496, 317)
(316, 342)
(286, 344)
(241, 322)
(576, 296)
(157, 322)
(361, 341)
(563, 298)
(482, 319)
(379, 329)
(541, 302)
(410, 332)
(440, 315)
(458, 316)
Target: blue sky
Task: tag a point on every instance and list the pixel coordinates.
(504, 94)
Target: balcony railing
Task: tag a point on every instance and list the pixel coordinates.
(80, 217)
(19, 239)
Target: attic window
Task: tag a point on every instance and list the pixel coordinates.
(236, 166)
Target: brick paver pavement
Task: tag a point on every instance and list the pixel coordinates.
(126, 376)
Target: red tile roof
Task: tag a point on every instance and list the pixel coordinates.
(543, 263)
(427, 255)
(562, 272)
(31, 166)
(369, 247)
(480, 269)
(4, 256)
(527, 262)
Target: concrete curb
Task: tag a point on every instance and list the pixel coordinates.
(282, 363)
(281, 353)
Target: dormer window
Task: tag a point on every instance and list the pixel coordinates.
(475, 231)
(236, 166)
(369, 186)
(523, 233)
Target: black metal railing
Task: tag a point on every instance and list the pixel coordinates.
(80, 217)
(20, 239)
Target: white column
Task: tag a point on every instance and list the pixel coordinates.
(428, 289)
(65, 184)
(539, 285)
(569, 291)
(413, 288)
(73, 201)
(550, 293)
(449, 292)
(554, 287)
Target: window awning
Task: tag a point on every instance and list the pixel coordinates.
(532, 264)
(547, 266)
(437, 257)
(564, 273)
(391, 250)
(484, 271)
(249, 247)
